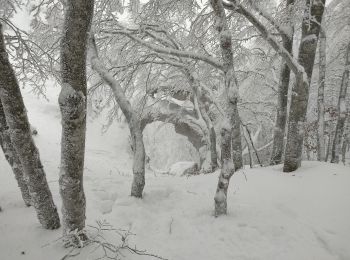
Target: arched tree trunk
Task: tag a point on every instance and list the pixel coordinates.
(132, 118)
(12, 158)
(21, 139)
(321, 142)
(339, 130)
(231, 87)
(281, 117)
(72, 101)
(300, 95)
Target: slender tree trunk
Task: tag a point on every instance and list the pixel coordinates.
(282, 104)
(300, 95)
(321, 153)
(248, 147)
(72, 101)
(230, 133)
(12, 158)
(231, 86)
(21, 139)
(227, 170)
(134, 122)
(339, 130)
(203, 112)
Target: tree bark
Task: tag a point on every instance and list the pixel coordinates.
(12, 158)
(134, 122)
(227, 170)
(72, 101)
(321, 152)
(300, 95)
(339, 130)
(231, 86)
(282, 104)
(21, 139)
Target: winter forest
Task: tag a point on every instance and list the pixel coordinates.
(175, 129)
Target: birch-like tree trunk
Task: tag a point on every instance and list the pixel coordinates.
(339, 130)
(12, 158)
(72, 101)
(282, 102)
(300, 94)
(23, 144)
(231, 87)
(321, 152)
(134, 122)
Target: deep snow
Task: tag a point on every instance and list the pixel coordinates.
(272, 215)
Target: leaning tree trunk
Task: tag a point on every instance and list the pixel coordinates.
(339, 130)
(12, 158)
(132, 118)
(300, 95)
(321, 152)
(72, 101)
(231, 86)
(281, 117)
(21, 139)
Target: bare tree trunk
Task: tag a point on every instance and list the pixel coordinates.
(300, 95)
(230, 133)
(248, 147)
(281, 117)
(321, 153)
(231, 86)
(227, 170)
(12, 158)
(134, 122)
(72, 101)
(339, 130)
(21, 139)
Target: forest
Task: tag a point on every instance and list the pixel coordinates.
(175, 129)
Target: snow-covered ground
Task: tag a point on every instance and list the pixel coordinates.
(272, 215)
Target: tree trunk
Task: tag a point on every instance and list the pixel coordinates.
(300, 93)
(21, 139)
(281, 117)
(72, 101)
(132, 118)
(227, 170)
(339, 130)
(321, 153)
(231, 86)
(12, 158)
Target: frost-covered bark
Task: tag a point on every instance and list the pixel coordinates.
(321, 152)
(231, 87)
(21, 139)
(72, 101)
(281, 117)
(339, 130)
(227, 170)
(300, 94)
(132, 118)
(12, 158)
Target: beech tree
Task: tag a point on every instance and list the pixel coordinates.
(21, 139)
(72, 101)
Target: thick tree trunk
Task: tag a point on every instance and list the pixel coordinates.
(12, 158)
(231, 87)
(300, 95)
(321, 152)
(227, 170)
(72, 101)
(281, 117)
(339, 130)
(21, 139)
(132, 118)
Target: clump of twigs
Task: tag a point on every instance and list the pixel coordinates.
(93, 239)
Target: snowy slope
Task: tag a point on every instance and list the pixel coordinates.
(272, 215)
